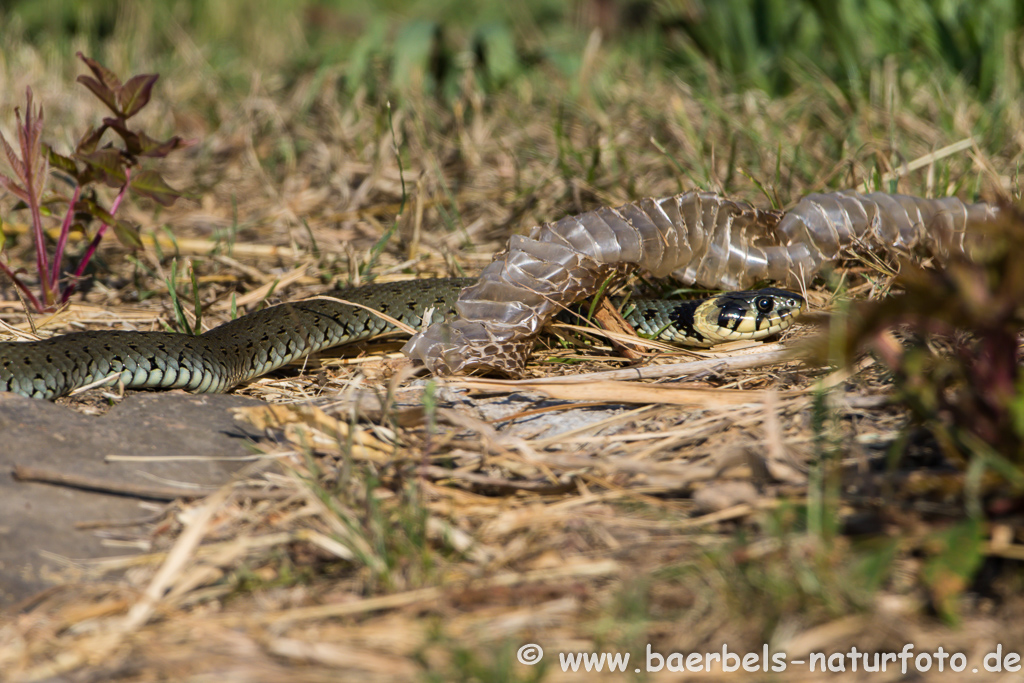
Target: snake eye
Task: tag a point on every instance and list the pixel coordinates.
(764, 304)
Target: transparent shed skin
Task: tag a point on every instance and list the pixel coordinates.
(699, 237)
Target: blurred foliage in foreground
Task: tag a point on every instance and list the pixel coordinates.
(958, 367)
(771, 45)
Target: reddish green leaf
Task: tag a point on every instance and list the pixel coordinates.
(30, 131)
(132, 143)
(14, 188)
(150, 184)
(156, 149)
(108, 165)
(127, 234)
(105, 94)
(66, 164)
(135, 93)
(90, 140)
(106, 76)
(12, 158)
(88, 205)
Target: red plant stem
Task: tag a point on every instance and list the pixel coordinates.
(65, 228)
(21, 285)
(42, 265)
(96, 239)
(81, 265)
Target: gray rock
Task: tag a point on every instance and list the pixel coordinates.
(36, 517)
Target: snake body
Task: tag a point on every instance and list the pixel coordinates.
(260, 342)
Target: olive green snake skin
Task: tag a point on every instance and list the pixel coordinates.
(260, 342)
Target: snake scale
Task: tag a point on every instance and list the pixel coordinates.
(260, 342)
(697, 236)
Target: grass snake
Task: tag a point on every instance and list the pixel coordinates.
(260, 342)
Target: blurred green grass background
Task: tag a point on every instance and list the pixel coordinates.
(771, 45)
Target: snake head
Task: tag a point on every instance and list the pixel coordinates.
(753, 314)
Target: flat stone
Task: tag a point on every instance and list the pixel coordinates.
(37, 518)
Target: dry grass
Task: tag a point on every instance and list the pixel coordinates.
(428, 530)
